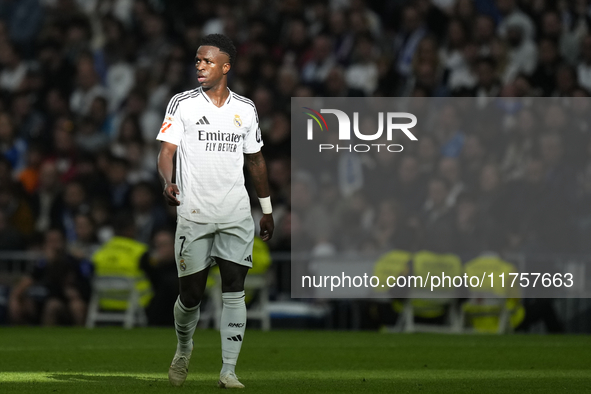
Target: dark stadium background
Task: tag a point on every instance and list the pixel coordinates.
(84, 86)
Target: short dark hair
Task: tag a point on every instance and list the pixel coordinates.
(223, 43)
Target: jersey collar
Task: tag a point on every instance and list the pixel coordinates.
(212, 104)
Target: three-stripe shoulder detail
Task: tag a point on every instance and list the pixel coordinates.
(243, 99)
(247, 101)
(175, 101)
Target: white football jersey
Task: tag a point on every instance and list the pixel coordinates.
(211, 142)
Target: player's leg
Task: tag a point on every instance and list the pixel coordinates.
(233, 252)
(192, 248)
(187, 308)
(233, 320)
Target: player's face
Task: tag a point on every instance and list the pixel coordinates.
(211, 65)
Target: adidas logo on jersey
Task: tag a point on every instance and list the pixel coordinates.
(248, 258)
(237, 338)
(203, 121)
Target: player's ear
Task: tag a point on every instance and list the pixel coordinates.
(226, 68)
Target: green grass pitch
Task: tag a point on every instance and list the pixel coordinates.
(113, 360)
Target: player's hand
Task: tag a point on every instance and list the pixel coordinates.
(170, 192)
(267, 227)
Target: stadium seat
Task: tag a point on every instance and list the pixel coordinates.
(120, 290)
(491, 309)
(427, 304)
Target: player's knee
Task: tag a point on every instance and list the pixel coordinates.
(191, 297)
(233, 285)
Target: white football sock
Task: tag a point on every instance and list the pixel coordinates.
(233, 325)
(228, 368)
(185, 321)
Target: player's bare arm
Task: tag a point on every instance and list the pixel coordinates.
(257, 168)
(165, 167)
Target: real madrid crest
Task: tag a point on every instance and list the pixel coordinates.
(237, 121)
(183, 265)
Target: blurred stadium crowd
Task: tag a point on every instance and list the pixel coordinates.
(84, 85)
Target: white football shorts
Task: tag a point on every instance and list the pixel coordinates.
(196, 244)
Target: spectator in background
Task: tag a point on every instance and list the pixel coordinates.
(56, 292)
(28, 122)
(277, 141)
(344, 38)
(89, 138)
(14, 69)
(155, 45)
(548, 61)
(437, 219)
(46, 194)
(522, 54)
(492, 199)
(511, 15)
(449, 169)
(584, 67)
(279, 179)
(11, 146)
(287, 81)
(389, 232)
(119, 188)
(56, 70)
(88, 87)
(76, 38)
(335, 85)
(303, 191)
(566, 81)
(72, 202)
(427, 154)
(527, 200)
(100, 117)
(29, 176)
(116, 53)
(484, 34)
(10, 238)
(470, 233)
(520, 146)
(488, 83)
(465, 11)
(136, 107)
(473, 158)
(409, 185)
(24, 19)
(296, 50)
(64, 152)
(86, 242)
(148, 216)
(162, 271)
(448, 132)
(317, 69)
(101, 214)
(411, 33)
(16, 209)
(362, 74)
(451, 53)
(551, 27)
